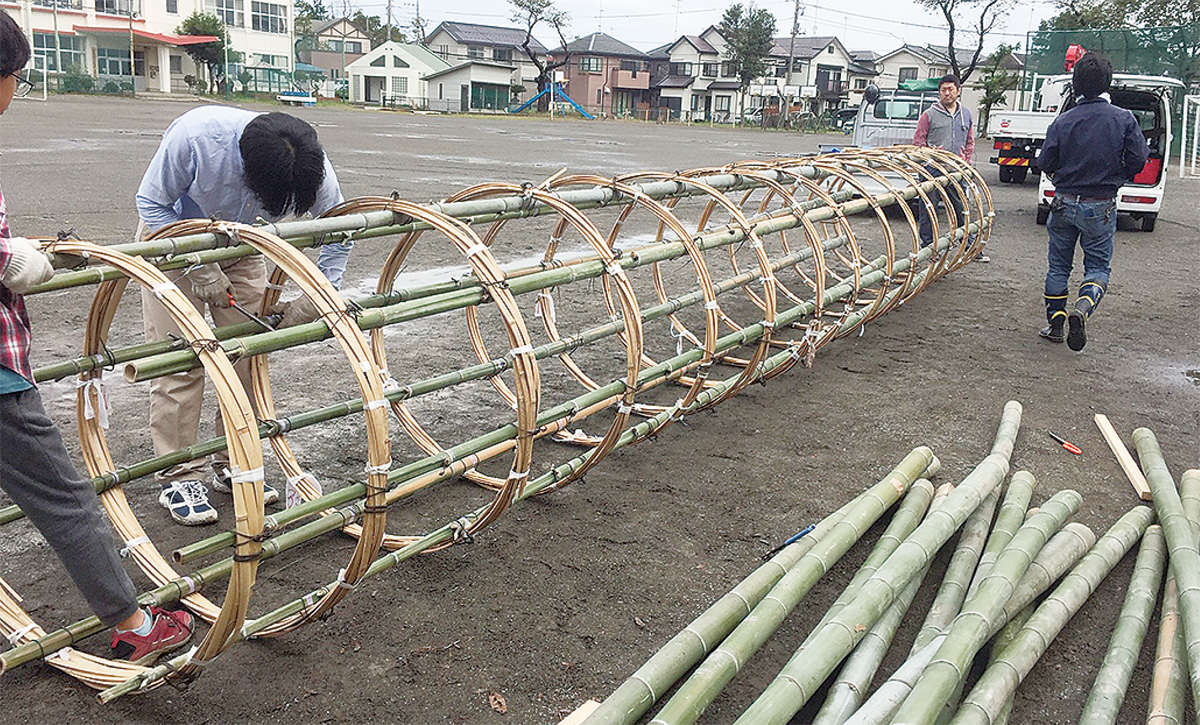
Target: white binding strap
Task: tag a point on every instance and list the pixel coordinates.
(381, 469)
(476, 249)
(614, 269)
(374, 404)
(522, 350)
(91, 411)
(624, 408)
(711, 305)
(17, 635)
(124, 551)
(191, 585)
(515, 476)
(160, 290)
(254, 475)
(343, 584)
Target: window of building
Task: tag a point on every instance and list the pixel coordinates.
(379, 62)
(860, 84)
(908, 74)
(635, 65)
(354, 46)
(279, 61)
(474, 52)
(600, 97)
(230, 11)
(443, 51)
(400, 85)
(177, 64)
(502, 55)
(112, 61)
(173, 7)
(709, 70)
(590, 64)
(681, 69)
(70, 48)
(398, 62)
(722, 103)
(268, 17)
(335, 46)
(115, 7)
(728, 69)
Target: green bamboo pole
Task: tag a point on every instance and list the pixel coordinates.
(1168, 685)
(855, 676)
(1181, 547)
(699, 690)
(953, 589)
(635, 696)
(998, 683)
(796, 684)
(1062, 552)
(1013, 512)
(973, 626)
(1011, 629)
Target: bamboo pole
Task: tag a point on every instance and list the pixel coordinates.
(635, 696)
(796, 684)
(695, 694)
(1181, 547)
(1062, 552)
(998, 683)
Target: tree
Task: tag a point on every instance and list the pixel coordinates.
(530, 14)
(306, 13)
(749, 35)
(980, 18)
(376, 30)
(211, 56)
(996, 81)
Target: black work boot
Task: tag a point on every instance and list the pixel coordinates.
(1056, 315)
(1090, 294)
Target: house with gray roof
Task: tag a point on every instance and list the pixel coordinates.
(604, 75)
(458, 43)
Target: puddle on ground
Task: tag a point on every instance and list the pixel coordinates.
(1193, 375)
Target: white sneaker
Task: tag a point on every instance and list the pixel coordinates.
(223, 482)
(187, 501)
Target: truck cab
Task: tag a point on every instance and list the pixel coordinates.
(887, 118)
(1148, 99)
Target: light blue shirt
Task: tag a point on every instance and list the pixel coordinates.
(197, 173)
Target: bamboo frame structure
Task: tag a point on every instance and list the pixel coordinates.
(805, 273)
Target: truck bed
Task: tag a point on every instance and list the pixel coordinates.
(1019, 124)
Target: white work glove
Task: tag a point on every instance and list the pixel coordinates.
(28, 266)
(296, 312)
(210, 285)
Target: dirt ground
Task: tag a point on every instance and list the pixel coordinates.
(568, 594)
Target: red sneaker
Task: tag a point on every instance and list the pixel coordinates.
(171, 631)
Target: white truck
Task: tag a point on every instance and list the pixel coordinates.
(1017, 136)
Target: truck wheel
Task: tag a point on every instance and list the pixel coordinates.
(1006, 175)
(1148, 221)
(1043, 214)
(1019, 174)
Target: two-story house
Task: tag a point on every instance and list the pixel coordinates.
(458, 43)
(333, 45)
(133, 43)
(821, 69)
(604, 75)
(694, 80)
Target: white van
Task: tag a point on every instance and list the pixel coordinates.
(1149, 99)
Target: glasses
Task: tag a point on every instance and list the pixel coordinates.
(24, 86)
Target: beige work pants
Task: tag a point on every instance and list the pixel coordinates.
(175, 400)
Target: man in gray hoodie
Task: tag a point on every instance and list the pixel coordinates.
(948, 125)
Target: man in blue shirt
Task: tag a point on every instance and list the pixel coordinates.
(1090, 151)
(219, 162)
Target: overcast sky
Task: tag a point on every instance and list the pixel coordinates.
(879, 25)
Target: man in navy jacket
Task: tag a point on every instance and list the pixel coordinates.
(1090, 152)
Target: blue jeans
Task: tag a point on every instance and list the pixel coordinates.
(1090, 223)
(925, 225)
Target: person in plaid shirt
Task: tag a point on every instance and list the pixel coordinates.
(35, 468)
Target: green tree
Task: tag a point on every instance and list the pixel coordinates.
(749, 36)
(306, 13)
(977, 19)
(530, 14)
(996, 80)
(376, 30)
(211, 56)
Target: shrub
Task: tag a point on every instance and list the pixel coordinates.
(74, 80)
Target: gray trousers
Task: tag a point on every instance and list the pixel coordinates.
(37, 473)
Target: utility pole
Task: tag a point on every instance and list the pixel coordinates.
(132, 65)
(389, 21)
(58, 49)
(225, 47)
(791, 61)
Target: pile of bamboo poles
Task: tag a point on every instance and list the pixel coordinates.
(780, 257)
(1013, 583)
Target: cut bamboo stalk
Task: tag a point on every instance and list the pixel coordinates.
(998, 683)
(1181, 548)
(975, 624)
(1136, 478)
(796, 684)
(1014, 511)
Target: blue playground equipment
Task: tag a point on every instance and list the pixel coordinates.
(555, 91)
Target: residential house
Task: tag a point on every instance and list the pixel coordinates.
(393, 74)
(692, 79)
(820, 77)
(333, 45)
(97, 37)
(917, 62)
(604, 75)
(459, 43)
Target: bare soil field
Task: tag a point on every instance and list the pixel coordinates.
(569, 593)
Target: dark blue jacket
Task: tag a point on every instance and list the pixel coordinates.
(1093, 149)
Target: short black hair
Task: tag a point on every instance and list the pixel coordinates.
(14, 46)
(949, 78)
(283, 163)
(1092, 75)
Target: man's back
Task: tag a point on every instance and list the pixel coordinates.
(1093, 149)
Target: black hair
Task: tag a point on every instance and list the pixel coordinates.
(1092, 75)
(14, 46)
(949, 78)
(283, 163)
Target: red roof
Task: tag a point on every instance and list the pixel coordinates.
(164, 38)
